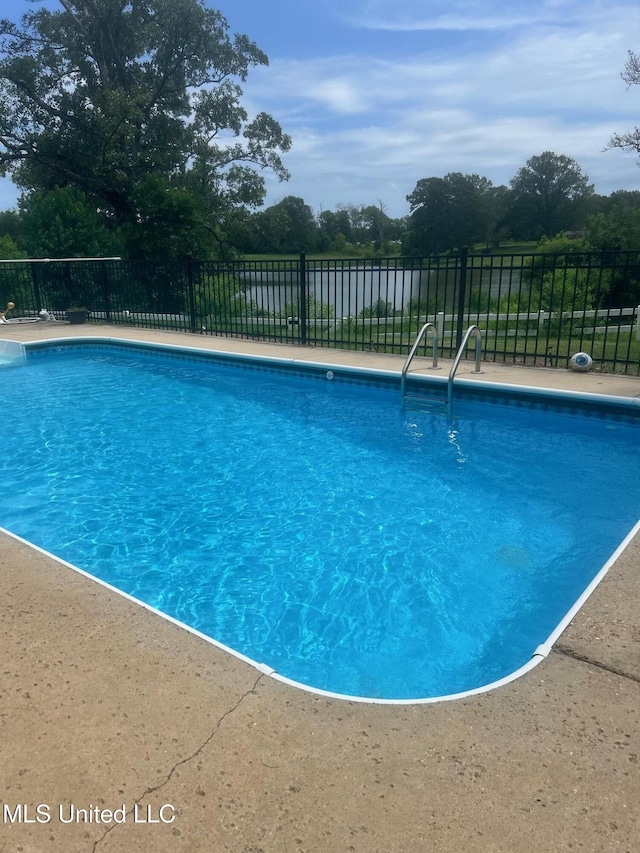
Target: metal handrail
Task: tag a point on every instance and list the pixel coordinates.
(472, 330)
(434, 366)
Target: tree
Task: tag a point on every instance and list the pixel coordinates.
(286, 227)
(268, 229)
(358, 225)
(104, 94)
(562, 278)
(618, 226)
(62, 224)
(300, 230)
(494, 208)
(380, 227)
(629, 141)
(171, 222)
(335, 228)
(549, 195)
(11, 225)
(573, 289)
(8, 249)
(446, 213)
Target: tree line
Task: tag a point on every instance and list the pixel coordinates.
(549, 195)
(123, 126)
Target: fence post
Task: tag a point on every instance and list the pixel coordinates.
(191, 296)
(302, 301)
(462, 292)
(638, 323)
(104, 281)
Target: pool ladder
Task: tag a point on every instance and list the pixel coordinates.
(436, 405)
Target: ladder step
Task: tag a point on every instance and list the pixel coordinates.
(433, 405)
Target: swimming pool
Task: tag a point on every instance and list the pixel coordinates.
(300, 518)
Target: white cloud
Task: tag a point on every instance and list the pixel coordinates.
(376, 125)
(471, 15)
(340, 95)
(448, 22)
(542, 70)
(367, 127)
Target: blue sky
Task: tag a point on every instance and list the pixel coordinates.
(380, 93)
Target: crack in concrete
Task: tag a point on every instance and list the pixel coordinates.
(571, 653)
(182, 761)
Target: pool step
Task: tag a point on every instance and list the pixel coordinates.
(11, 352)
(430, 405)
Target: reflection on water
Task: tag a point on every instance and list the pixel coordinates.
(350, 289)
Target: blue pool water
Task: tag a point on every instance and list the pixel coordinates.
(312, 525)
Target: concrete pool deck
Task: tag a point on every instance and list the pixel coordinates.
(105, 705)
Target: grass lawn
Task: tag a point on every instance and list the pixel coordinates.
(529, 248)
(311, 256)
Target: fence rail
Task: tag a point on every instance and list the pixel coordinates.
(532, 309)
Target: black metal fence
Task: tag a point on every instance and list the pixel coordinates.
(532, 309)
